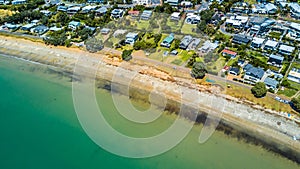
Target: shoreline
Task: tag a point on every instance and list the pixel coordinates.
(67, 59)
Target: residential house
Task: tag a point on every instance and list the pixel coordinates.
(271, 83)
(275, 60)
(294, 75)
(131, 38)
(257, 42)
(230, 53)
(234, 71)
(52, 2)
(253, 74)
(27, 27)
(237, 21)
(141, 2)
(101, 11)
(185, 41)
(74, 25)
(270, 8)
(271, 45)
(195, 42)
(10, 26)
(175, 16)
(95, 1)
(241, 39)
(73, 10)
(62, 8)
(18, 2)
(172, 2)
(259, 9)
(295, 9)
(117, 13)
(167, 41)
(286, 50)
(208, 46)
(88, 9)
(134, 14)
(192, 19)
(295, 26)
(146, 15)
(186, 4)
(41, 29)
(46, 12)
(104, 31)
(54, 29)
(240, 7)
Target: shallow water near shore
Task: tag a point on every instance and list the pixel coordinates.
(39, 129)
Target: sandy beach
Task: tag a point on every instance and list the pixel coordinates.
(267, 126)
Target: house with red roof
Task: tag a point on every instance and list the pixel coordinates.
(230, 53)
(134, 13)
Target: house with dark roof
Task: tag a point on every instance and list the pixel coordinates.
(117, 13)
(234, 71)
(271, 83)
(41, 29)
(185, 41)
(101, 11)
(275, 60)
(253, 74)
(230, 53)
(167, 41)
(241, 39)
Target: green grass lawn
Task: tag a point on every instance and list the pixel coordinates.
(142, 25)
(294, 85)
(287, 92)
(176, 26)
(231, 61)
(187, 29)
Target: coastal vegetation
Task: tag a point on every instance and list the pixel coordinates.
(94, 45)
(126, 55)
(198, 70)
(296, 103)
(259, 90)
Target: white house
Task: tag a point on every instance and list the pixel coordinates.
(142, 2)
(131, 38)
(294, 75)
(271, 45)
(285, 49)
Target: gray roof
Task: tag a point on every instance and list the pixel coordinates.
(271, 82)
(101, 10)
(186, 41)
(276, 57)
(287, 48)
(271, 43)
(254, 71)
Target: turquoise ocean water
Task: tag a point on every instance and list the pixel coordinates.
(39, 130)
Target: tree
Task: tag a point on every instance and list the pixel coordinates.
(93, 45)
(198, 70)
(259, 90)
(296, 103)
(202, 25)
(126, 55)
